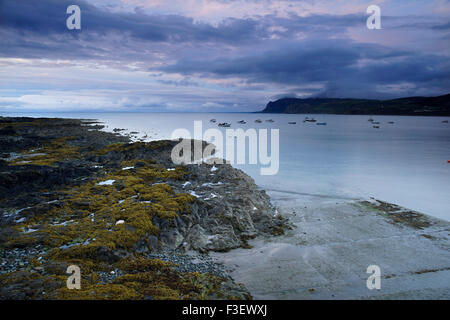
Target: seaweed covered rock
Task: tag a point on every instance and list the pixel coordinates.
(71, 194)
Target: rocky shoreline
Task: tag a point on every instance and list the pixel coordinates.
(138, 226)
(327, 254)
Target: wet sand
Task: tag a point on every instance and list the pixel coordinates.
(327, 253)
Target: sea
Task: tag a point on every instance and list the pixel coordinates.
(405, 161)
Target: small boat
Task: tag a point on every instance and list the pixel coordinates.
(310, 120)
(371, 120)
(445, 121)
(292, 122)
(242, 122)
(270, 120)
(376, 127)
(258, 121)
(224, 124)
(375, 122)
(391, 122)
(321, 123)
(213, 120)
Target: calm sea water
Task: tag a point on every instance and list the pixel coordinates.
(403, 163)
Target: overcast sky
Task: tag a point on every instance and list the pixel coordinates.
(217, 55)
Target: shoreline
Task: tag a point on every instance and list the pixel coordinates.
(334, 241)
(322, 257)
(137, 225)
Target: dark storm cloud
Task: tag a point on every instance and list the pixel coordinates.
(27, 27)
(445, 26)
(48, 18)
(289, 63)
(39, 31)
(342, 66)
(263, 52)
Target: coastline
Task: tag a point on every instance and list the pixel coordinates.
(324, 256)
(138, 226)
(333, 242)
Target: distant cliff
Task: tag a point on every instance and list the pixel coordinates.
(417, 106)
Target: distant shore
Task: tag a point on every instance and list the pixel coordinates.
(410, 106)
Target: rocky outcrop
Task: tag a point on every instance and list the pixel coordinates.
(230, 209)
(122, 211)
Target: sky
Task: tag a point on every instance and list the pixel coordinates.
(217, 55)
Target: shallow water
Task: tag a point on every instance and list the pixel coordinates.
(404, 163)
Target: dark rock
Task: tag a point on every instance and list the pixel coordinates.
(56, 267)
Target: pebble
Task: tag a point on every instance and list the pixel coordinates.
(190, 263)
(17, 259)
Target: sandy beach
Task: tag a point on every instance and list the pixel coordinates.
(326, 254)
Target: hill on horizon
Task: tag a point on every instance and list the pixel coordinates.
(417, 106)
